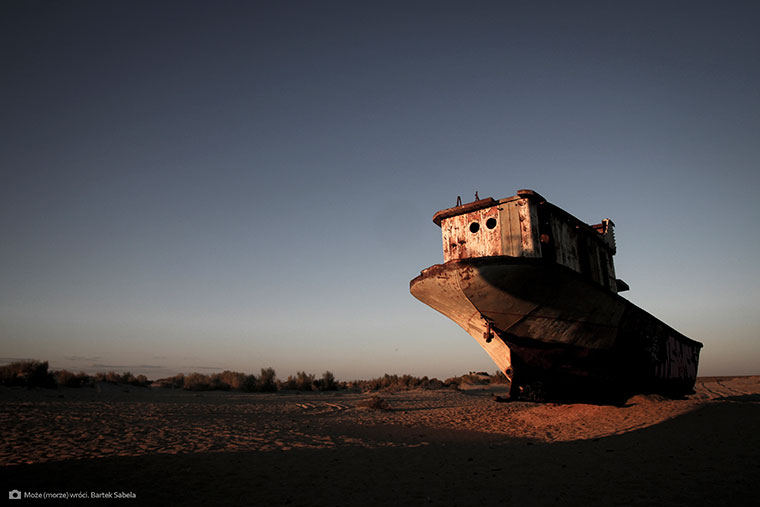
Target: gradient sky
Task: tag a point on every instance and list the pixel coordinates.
(197, 186)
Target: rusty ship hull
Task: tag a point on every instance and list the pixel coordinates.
(537, 290)
(556, 335)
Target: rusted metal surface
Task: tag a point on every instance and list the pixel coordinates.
(536, 288)
(473, 234)
(527, 226)
(462, 208)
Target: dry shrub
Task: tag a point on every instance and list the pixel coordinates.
(175, 382)
(65, 378)
(26, 373)
(267, 382)
(225, 381)
(474, 378)
(288, 384)
(301, 382)
(304, 381)
(250, 384)
(327, 382)
(232, 379)
(217, 382)
(123, 378)
(374, 402)
(399, 383)
(197, 382)
(499, 378)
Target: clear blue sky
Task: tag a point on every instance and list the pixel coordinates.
(190, 186)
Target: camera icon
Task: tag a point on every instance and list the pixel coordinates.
(14, 494)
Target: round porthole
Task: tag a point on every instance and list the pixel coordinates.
(491, 223)
(474, 227)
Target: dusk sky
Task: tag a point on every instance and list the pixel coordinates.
(200, 186)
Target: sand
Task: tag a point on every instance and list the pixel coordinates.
(431, 447)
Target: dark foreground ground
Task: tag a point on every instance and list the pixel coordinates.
(708, 455)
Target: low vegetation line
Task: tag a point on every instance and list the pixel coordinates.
(35, 373)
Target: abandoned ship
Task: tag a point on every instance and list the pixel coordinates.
(536, 288)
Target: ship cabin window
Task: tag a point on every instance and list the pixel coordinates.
(491, 223)
(474, 227)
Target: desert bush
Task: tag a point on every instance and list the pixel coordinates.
(476, 378)
(111, 376)
(398, 383)
(225, 381)
(179, 380)
(250, 384)
(386, 382)
(197, 382)
(499, 378)
(301, 382)
(217, 383)
(65, 378)
(327, 382)
(375, 402)
(304, 381)
(267, 382)
(175, 382)
(139, 380)
(233, 379)
(31, 373)
(434, 383)
(128, 378)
